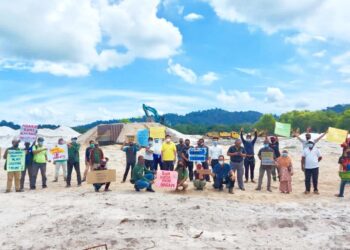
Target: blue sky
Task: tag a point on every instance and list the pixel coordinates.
(71, 62)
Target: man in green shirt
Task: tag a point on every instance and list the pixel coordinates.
(39, 162)
(73, 161)
(141, 176)
(182, 176)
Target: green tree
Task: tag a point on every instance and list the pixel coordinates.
(266, 122)
(344, 120)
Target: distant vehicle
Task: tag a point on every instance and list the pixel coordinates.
(155, 117)
(235, 135)
(223, 135)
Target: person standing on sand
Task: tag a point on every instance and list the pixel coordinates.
(308, 138)
(285, 170)
(96, 155)
(88, 166)
(214, 152)
(28, 164)
(182, 176)
(157, 154)
(168, 154)
(73, 161)
(344, 166)
(15, 174)
(310, 165)
(149, 154)
(223, 174)
(266, 166)
(130, 150)
(275, 145)
(59, 164)
(179, 148)
(101, 166)
(141, 177)
(185, 158)
(237, 154)
(249, 160)
(199, 180)
(39, 162)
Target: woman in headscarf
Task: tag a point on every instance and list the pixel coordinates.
(199, 179)
(285, 170)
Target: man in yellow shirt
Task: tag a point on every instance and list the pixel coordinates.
(39, 163)
(168, 154)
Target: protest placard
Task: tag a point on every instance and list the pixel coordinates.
(142, 137)
(336, 135)
(101, 176)
(283, 129)
(197, 154)
(267, 158)
(204, 172)
(28, 133)
(157, 132)
(59, 153)
(15, 160)
(166, 179)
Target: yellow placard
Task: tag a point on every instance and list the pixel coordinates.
(336, 135)
(157, 132)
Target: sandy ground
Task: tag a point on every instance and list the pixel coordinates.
(77, 218)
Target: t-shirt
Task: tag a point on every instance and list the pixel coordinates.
(157, 147)
(236, 158)
(131, 152)
(220, 171)
(185, 150)
(311, 157)
(215, 152)
(41, 156)
(168, 151)
(149, 156)
(345, 162)
(179, 149)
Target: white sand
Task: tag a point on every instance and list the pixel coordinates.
(75, 218)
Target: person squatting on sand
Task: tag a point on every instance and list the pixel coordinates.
(16, 175)
(265, 167)
(237, 154)
(344, 167)
(223, 174)
(141, 177)
(88, 166)
(310, 165)
(130, 150)
(199, 179)
(101, 166)
(168, 154)
(73, 161)
(59, 164)
(182, 176)
(285, 171)
(249, 160)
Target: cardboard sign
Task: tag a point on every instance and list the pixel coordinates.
(59, 153)
(101, 176)
(267, 159)
(202, 172)
(130, 138)
(197, 154)
(157, 132)
(166, 179)
(336, 135)
(283, 129)
(28, 133)
(142, 137)
(15, 160)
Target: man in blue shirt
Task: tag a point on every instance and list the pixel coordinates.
(223, 174)
(237, 154)
(249, 161)
(28, 163)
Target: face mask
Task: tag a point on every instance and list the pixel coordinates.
(150, 143)
(221, 162)
(310, 145)
(92, 145)
(249, 139)
(187, 144)
(215, 143)
(15, 145)
(168, 140)
(40, 143)
(284, 154)
(74, 141)
(266, 145)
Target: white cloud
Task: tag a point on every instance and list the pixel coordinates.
(62, 36)
(191, 17)
(274, 95)
(320, 18)
(178, 70)
(303, 38)
(343, 62)
(248, 71)
(320, 54)
(209, 78)
(234, 97)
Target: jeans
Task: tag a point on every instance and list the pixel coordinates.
(218, 182)
(157, 160)
(189, 165)
(238, 167)
(149, 164)
(36, 167)
(28, 168)
(141, 184)
(76, 167)
(127, 169)
(58, 165)
(342, 187)
(311, 174)
(262, 170)
(249, 165)
(168, 165)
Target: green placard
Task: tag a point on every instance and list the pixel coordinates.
(15, 160)
(283, 129)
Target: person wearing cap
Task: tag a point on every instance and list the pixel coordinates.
(285, 170)
(182, 176)
(101, 166)
(199, 180)
(237, 154)
(15, 175)
(60, 164)
(344, 166)
(249, 160)
(88, 166)
(168, 154)
(214, 152)
(223, 174)
(275, 145)
(130, 150)
(28, 163)
(96, 154)
(141, 177)
(310, 165)
(39, 163)
(73, 161)
(266, 166)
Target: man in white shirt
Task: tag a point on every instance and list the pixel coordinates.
(308, 138)
(310, 164)
(214, 152)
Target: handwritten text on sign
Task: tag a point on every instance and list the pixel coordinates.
(59, 153)
(15, 160)
(166, 179)
(28, 133)
(197, 154)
